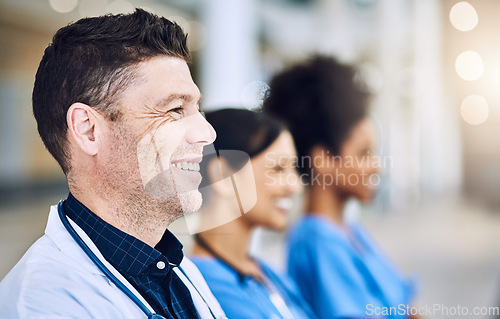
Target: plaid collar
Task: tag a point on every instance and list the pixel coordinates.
(126, 253)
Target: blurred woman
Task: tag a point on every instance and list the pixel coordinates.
(337, 266)
(244, 286)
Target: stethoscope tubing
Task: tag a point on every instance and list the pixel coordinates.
(102, 267)
(88, 251)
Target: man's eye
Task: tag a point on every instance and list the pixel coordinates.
(176, 110)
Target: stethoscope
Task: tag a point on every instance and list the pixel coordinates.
(113, 274)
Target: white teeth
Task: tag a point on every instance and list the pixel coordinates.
(188, 166)
(285, 203)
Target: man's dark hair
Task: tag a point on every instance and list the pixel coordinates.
(320, 101)
(92, 61)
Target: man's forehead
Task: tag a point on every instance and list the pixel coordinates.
(163, 80)
(163, 68)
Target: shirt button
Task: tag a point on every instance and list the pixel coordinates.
(160, 265)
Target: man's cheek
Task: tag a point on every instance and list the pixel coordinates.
(167, 140)
(148, 160)
(154, 153)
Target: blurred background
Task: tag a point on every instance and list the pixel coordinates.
(433, 67)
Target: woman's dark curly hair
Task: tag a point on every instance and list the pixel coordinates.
(320, 102)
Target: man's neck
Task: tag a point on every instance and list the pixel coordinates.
(136, 220)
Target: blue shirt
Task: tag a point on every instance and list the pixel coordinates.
(244, 297)
(342, 274)
(138, 262)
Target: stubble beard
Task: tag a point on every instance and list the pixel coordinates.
(125, 190)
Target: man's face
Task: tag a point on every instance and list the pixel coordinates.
(155, 147)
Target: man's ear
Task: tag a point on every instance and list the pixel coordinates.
(83, 127)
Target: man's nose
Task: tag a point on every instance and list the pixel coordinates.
(200, 131)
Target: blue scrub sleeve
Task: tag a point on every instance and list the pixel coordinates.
(329, 279)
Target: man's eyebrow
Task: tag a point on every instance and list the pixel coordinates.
(172, 97)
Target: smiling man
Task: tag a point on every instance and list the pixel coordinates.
(116, 106)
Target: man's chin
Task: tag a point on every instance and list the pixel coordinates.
(190, 201)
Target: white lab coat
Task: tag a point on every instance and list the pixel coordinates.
(56, 279)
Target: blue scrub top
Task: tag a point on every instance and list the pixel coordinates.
(244, 297)
(342, 274)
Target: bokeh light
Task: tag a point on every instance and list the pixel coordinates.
(63, 6)
(469, 65)
(253, 94)
(474, 109)
(463, 16)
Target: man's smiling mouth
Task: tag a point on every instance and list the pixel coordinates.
(192, 164)
(187, 166)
